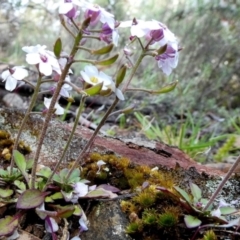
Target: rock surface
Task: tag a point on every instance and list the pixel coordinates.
(106, 219)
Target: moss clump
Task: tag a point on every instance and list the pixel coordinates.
(146, 198)
(134, 227)
(166, 220)
(149, 217)
(209, 235)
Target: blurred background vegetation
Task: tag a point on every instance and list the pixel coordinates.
(201, 116)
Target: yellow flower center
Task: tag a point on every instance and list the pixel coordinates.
(94, 80)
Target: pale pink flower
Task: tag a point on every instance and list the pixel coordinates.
(97, 13)
(69, 8)
(12, 76)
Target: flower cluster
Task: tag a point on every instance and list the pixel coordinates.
(157, 34)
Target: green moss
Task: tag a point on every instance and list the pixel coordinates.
(134, 227)
(209, 235)
(149, 217)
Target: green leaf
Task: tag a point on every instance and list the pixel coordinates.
(94, 90)
(29, 163)
(191, 221)
(4, 193)
(183, 194)
(196, 192)
(227, 210)
(103, 50)
(44, 172)
(78, 210)
(108, 61)
(31, 198)
(162, 49)
(168, 88)
(64, 211)
(20, 161)
(20, 185)
(55, 196)
(3, 173)
(74, 176)
(120, 75)
(8, 225)
(57, 48)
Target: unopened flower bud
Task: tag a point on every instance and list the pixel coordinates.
(127, 51)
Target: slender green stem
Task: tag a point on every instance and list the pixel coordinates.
(47, 80)
(30, 84)
(76, 88)
(80, 159)
(133, 72)
(89, 50)
(75, 25)
(33, 101)
(51, 107)
(66, 28)
(92, 37)
(222, 183)
(80, 109)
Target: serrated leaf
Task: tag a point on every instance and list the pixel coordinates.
(57, 49)
(94, 90)
(183, 194)
(4, 193)
(191, 221)
(20, 161)
(74, 176)
(196, 191)
(8, 225)
(108, 61)
(63, 173)
(227, 210)
(103, 50)
(31, 198)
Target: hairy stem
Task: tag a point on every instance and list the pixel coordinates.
(51, 107)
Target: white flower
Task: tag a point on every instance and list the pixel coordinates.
(12, 76)
(140, 28)
(58, 109)
(66, 88)
(45, 59)
(99, 164)
(80, 189)
(92, 76)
